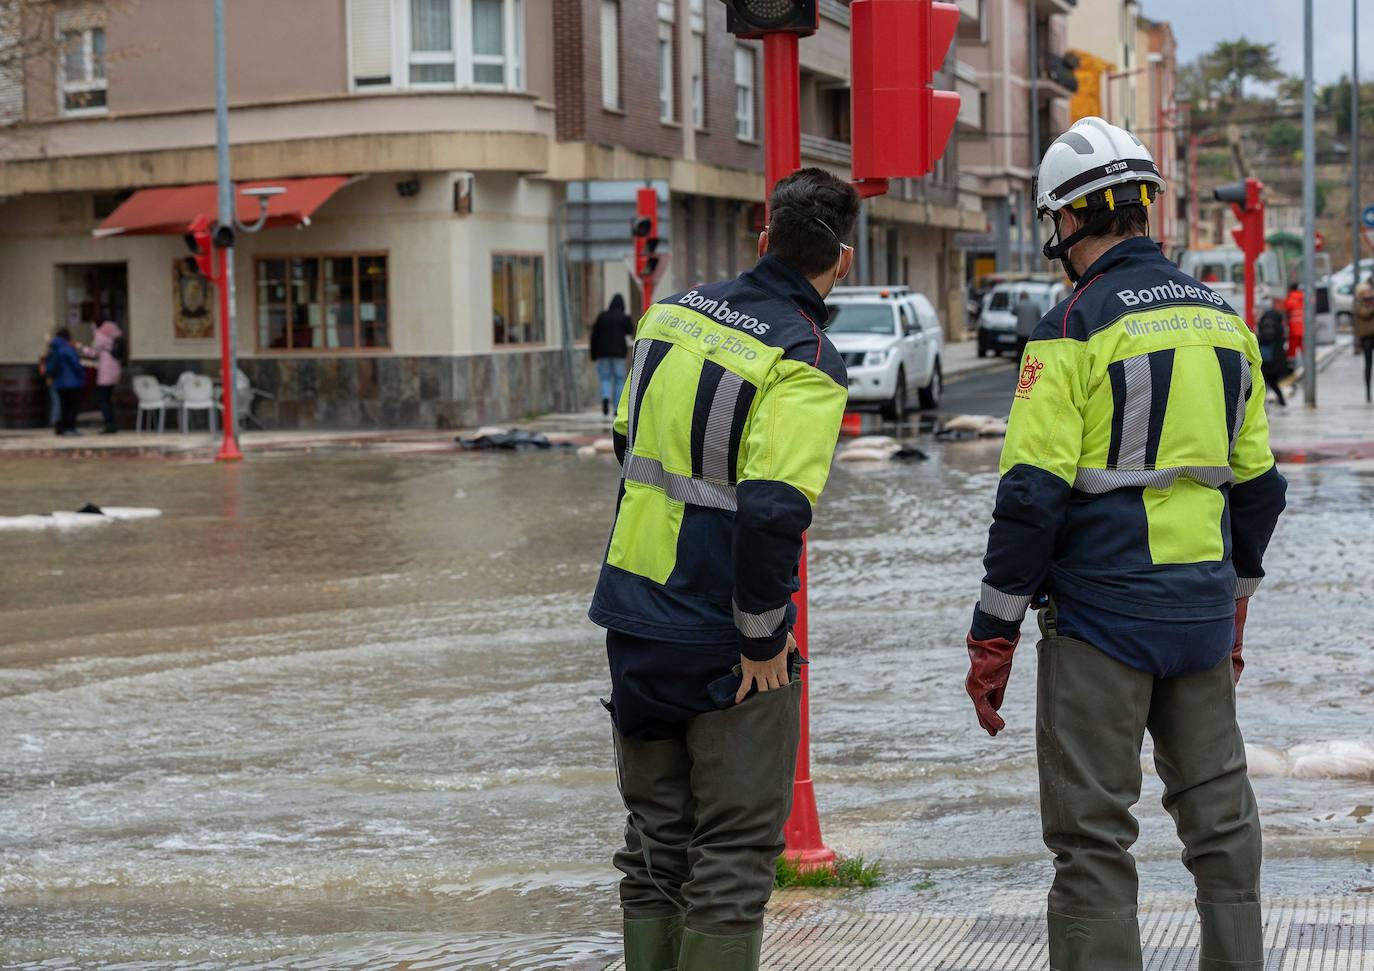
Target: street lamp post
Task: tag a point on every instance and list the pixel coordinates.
(1355, 206)
(1309, 213)
(224, 240)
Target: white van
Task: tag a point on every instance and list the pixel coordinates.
(1223, 269)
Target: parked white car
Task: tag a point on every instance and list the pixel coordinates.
(997, 323)
(891, 342)
(1223, 269)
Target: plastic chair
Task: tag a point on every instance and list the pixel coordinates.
(244, 396)
(198, 394)
(152, 396)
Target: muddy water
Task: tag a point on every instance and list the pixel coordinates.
(340, 711)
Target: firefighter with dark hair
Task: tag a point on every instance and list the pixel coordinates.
(1138, 495)
(725, 434)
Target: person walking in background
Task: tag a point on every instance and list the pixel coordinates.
(1296, 321)
(609, 346)
(54, 400)
(1364, 328)
(726, 439)
(1027, 316)
(107, 351)
(1272, 334)
(64, 370)
(1137, 498)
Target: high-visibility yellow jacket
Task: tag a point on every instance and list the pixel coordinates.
(1136, 472)
(726, 431)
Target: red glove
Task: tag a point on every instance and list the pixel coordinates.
(988, 672)
(1238, 662)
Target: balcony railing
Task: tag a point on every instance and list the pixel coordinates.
(826, 149)
(1058, 71)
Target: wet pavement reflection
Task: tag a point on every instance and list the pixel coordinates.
(340, 711)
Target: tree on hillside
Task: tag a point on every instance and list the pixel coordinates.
(1233, 62)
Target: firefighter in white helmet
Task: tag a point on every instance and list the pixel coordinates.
(1137, 498)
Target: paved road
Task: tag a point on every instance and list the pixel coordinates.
(982, 393)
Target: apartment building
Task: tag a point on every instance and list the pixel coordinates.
(434, 142)
(996, 154)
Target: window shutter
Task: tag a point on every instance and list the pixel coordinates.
(610, 53)
(371, 42)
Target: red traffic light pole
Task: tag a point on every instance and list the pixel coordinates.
(1247, 203)
(201, 244)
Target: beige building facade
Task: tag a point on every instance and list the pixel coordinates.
(427, 289)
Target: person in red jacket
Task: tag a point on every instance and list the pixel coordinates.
(1295, 321)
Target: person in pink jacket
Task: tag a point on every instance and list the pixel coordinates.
(107, 350)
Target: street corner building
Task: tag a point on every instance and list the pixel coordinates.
(421, 267)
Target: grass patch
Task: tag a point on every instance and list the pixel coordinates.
(847, 872)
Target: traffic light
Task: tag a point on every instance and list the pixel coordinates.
(199, 242)
(754, 18)
(901, 123)
(649, 253)
(1247, 202)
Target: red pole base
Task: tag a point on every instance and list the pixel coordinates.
(229, 451)
(805, 849)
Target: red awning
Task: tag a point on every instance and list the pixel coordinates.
(172, 209)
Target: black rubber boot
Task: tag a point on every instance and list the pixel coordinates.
(1085, 944)
(652, 943)
(1232, 937)
(711, 952)
(605, 407)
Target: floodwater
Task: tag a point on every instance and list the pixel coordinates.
(340, 710)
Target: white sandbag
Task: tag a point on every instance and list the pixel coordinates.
(1333, 760)
(604, 446)
(1265, 762)
(967, 423)
(875, 441)
(993, 428)
(62, 519)
(488, 431)
(866, 454)
(587, 451)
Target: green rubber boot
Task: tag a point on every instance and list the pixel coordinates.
(1084, 944)
(711, 952)
(652, 943)
(1232, 937)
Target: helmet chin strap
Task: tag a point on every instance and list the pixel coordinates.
(1060, 250)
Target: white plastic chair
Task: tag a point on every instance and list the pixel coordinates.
(152, 396)
(244, 396)
(197, 394)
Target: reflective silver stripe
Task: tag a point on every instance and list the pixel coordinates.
(636, 370)
(1135, 413)
(1003, 606)
(683, 488)
(765, 624)
(715, 458)
(1098, 481)
(1245, 380)
(1246, 586)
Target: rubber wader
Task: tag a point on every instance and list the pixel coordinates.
(1092, 713)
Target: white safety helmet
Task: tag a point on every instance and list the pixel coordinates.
(1093, 168)
(1094, 157)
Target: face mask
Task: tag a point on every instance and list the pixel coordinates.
(834, 280)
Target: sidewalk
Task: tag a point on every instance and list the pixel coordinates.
(806, 934)
(961, 359)
(1341, 427)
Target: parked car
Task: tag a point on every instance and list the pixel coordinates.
(891, 342)
(997, 325)
(1223, 269)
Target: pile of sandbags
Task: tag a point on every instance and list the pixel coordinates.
(877, 448)
(972, 426)
(602, 446)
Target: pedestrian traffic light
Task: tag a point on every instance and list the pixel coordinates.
(649, 251)
(199, 242)
(754, 18)
(1247, 203)
(901, 124)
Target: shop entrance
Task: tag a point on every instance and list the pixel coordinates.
(90, 293)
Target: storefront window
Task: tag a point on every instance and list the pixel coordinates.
(587, 286)
(322, 302)
(517, 298)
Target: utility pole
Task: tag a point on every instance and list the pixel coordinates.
(1034, 125)
(224, 242)
(1355, 207)
(1309, 214)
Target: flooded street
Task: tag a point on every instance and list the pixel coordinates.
(340, 710)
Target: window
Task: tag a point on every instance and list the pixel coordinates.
(83, 71)
(517, 298)
(335, 302)
(610, 53)
(437, 43)
(744, 92)
(667, 109)
(587, 296)
(697, 21)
